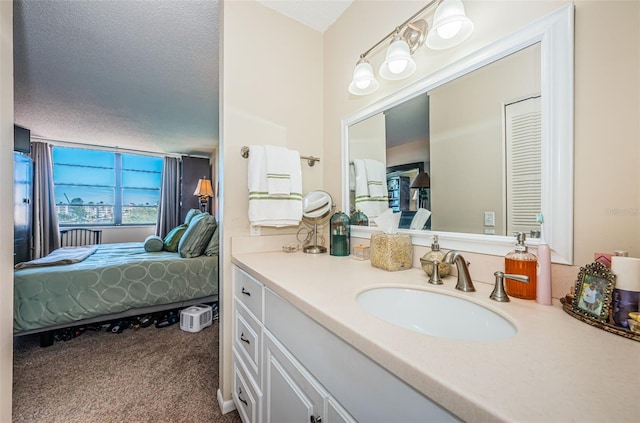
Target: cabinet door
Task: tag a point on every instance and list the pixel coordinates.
(337, 414)
(290, 393)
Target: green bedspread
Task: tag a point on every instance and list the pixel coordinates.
(116, 278)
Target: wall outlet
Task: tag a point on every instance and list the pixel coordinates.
(254, 230)
(489, 231)
(489, 218)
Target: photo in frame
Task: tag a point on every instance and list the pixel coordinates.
(594, 289)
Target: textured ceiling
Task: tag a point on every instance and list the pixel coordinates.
(129, 73)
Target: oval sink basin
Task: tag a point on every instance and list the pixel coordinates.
(436, 314)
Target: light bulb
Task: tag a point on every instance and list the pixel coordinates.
(363, 84)
(449, 30)
(397, 66)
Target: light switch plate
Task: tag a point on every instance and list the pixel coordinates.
(489, 218)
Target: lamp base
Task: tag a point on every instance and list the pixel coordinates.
(314, 249)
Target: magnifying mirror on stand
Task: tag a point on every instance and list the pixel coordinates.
(317, 207)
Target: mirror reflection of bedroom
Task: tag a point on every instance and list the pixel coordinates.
(115, 211)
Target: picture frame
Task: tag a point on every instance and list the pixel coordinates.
(593, 292)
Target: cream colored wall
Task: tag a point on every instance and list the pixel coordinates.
(607, 109)
(6, 208)
(467, 143)
(271, 86)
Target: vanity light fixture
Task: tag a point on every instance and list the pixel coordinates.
(450, 28)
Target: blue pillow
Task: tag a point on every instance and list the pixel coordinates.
(190, 215)
(153, 244)
(197, 236)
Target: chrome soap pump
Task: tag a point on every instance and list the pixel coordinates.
(340, 234)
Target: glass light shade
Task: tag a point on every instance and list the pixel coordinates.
(451, 26)
(398, 63)
(363, 82)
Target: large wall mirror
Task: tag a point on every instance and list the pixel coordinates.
(482, 146)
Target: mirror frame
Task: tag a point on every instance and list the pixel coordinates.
(554, 32)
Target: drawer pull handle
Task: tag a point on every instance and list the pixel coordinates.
(243, 339)
(240, 397)
(315, 419)
(245, 292)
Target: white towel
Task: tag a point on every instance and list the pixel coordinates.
(273, 210)
(371, 207)
(279, 169)
(376, 178)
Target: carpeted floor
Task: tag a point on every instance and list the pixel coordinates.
(144, 375)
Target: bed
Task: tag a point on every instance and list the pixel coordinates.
(114, 281)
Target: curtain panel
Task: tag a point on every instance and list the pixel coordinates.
(169, 207)
(46, 231)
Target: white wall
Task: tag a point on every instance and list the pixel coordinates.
(271, 84)
(6, 208)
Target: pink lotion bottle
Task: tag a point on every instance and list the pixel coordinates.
(543, 288)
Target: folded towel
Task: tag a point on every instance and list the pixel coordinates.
(376, 178)
(273, 210)
(61, 256)
(279, 168)
(370, 206)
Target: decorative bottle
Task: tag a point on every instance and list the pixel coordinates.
(435, 254)
(339, 235)
(521, 262)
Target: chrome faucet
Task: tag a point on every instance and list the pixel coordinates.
(499, 293)
(464, 278)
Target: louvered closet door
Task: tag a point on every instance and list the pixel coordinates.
(523, 136)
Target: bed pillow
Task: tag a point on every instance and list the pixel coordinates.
(153, 244)
(197, 235)
(213, 248)
(190, 215)
(172, 239)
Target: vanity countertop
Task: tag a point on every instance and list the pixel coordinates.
(555, 369)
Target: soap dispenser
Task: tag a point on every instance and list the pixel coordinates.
(339, 234)
(435, 254)
(521, 262)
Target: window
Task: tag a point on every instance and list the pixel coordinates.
(93, 187)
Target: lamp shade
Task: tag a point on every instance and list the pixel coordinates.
(421, 181)
(363, 82)
(451, 26)
(204, 188)
(398, 63)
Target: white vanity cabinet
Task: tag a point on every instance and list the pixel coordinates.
(269, 384)
(305, 373)
(247, 345)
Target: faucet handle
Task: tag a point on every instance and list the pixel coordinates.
(434, 278)
(499, 293)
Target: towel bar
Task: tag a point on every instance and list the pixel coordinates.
(244, 151)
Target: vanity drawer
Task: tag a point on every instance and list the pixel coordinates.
(249, 292)
(247, 338)
(246, 395)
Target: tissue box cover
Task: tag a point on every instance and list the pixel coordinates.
(391, 252)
